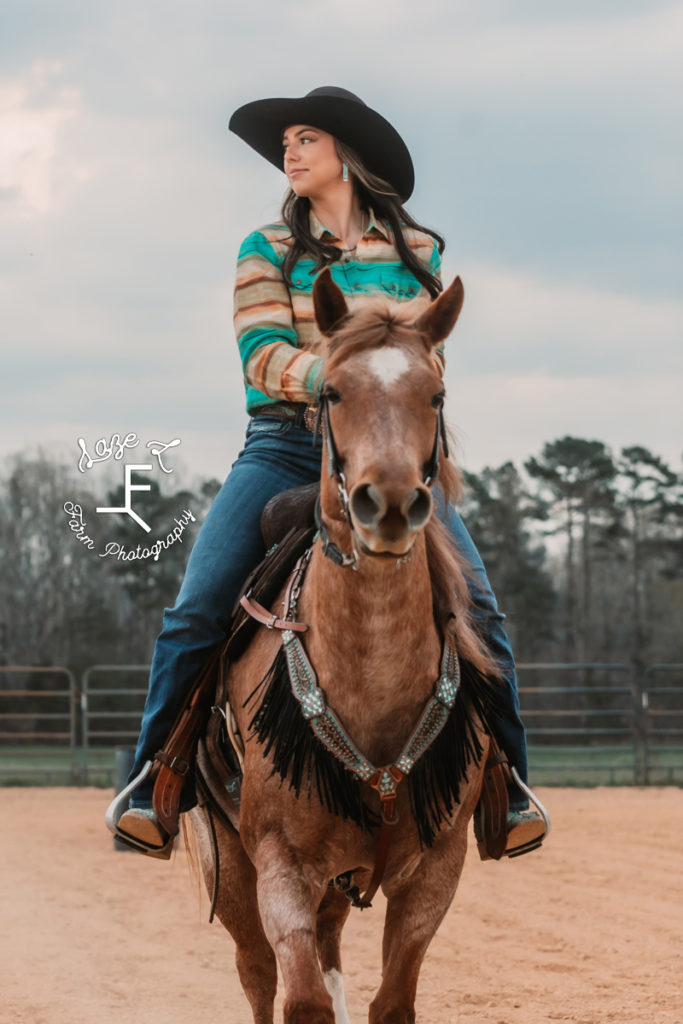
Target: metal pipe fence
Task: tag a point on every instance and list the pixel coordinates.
(38, 715)
(105, 726)
(662, 707)
(586, 731)
(587, 723)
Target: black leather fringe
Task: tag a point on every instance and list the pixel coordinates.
(434, 783)
(300, 757)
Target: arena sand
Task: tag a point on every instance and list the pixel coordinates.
(588, 930)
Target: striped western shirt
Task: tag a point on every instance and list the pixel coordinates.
(279, 342)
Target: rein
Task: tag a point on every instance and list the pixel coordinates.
(330, 549)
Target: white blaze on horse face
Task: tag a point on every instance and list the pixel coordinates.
(334, 983)
(388, 365)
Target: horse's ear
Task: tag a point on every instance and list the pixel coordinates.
(329, 303)
(439, 318)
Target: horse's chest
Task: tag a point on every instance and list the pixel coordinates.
(377, 710)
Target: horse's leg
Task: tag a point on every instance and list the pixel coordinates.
(288, 898)
(332, 914)
(414, 912)
(237, 910)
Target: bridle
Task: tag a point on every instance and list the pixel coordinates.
(430, 473)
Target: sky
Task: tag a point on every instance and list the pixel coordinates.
(547, 144)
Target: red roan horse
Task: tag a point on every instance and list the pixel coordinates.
(382, 629)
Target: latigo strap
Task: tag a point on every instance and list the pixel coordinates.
(491, 815)
(176, 757)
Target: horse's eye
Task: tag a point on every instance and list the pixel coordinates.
(331, 396)
(437, 400)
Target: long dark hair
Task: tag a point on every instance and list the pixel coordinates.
(373, 192)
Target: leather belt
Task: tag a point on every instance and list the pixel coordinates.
(301, 414)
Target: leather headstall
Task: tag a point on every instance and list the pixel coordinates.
(431, 468)
(430, 472)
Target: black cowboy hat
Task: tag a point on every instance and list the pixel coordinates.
(338, 112)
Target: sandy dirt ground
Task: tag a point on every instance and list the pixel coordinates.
(589, 929)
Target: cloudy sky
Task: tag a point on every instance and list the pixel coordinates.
(547, 142)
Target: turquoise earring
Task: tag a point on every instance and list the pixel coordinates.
(345, 172)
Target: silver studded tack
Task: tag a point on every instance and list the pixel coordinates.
(313, 703)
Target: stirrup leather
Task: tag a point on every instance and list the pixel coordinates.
(117, 809)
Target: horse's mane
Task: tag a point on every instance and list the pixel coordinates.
(449, 572)
(377, 325)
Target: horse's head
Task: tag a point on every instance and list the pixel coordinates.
(382, 408)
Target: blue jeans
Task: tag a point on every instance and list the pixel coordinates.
(277, 455)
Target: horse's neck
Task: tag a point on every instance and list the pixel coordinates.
(373, 643)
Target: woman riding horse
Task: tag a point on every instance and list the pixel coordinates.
(349, 174)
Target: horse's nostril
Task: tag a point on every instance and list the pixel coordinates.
(365, 507)
(419, 508)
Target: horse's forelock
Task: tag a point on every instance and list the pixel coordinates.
(375, 326)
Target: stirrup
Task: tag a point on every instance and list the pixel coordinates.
(517, 851)
(117, 809)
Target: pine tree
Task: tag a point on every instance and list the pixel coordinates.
(577, 476)
(497, 509)
(650, 501)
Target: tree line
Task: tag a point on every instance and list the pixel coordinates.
(583, 546)
(585, 550)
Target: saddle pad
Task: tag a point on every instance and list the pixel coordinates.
(295, 507)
